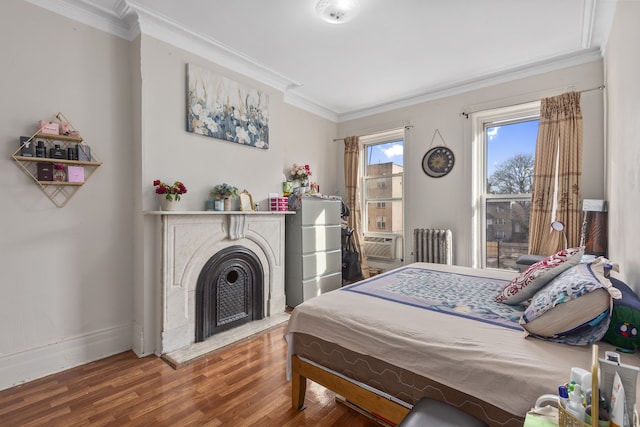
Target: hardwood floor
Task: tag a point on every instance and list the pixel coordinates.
(241, 385)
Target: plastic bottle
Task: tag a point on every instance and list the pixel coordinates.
(563, 394)
(574, 406)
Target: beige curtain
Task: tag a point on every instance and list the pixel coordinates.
(351, 179)
(558, 159)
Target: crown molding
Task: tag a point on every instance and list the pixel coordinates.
(297, 100)
(127, 19)
(110, 16)
(579, 57)
(166, 30)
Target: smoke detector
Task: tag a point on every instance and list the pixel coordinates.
(336, 11)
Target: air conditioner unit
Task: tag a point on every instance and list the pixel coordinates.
(380, 246)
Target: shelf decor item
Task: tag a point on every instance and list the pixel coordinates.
(300, 175)
(45, 171)
(224, 192)
(83, 152)
(169, 194)
(300, 172)
(59, 174)
(75, 174)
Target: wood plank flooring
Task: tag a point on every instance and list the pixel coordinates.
(240, 385)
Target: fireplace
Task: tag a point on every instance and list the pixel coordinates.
(222, 277)
(228, 292)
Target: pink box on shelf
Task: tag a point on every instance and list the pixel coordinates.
(49, 128)
(279, 204)
(75, 174)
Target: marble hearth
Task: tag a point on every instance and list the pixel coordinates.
(189, 240)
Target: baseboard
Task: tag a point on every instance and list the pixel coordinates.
(38, 362)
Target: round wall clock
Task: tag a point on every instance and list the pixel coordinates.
(438, 162)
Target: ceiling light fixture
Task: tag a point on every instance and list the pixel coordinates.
(336, 11)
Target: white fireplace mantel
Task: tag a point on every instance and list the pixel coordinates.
(188, 240)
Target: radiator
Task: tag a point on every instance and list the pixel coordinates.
(433, 245)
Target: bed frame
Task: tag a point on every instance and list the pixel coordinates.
(378, 406)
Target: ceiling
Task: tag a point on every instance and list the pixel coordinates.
(391, 54)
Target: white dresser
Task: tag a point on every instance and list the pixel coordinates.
(314, 258)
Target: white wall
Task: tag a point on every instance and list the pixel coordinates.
(171, 153)
(622, 64)
(201, 162)
(76, 281)
(66, 282)
(446, 202)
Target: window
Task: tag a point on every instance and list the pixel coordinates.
(383, 175)
(504, 151)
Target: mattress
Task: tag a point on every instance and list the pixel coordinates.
(493, 364)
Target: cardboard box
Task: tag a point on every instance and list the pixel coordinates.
(75, 174)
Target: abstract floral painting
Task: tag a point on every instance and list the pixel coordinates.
(225, 109)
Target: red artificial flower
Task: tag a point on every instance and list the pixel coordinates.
(172, 192)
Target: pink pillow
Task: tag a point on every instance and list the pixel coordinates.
(539, 274)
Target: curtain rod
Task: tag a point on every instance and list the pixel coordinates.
(405, 127)
(465, 114)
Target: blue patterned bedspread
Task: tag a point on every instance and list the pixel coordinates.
(462, 295)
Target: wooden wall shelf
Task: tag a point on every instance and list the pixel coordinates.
(59, 192)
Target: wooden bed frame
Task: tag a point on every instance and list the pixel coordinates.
(377, 405)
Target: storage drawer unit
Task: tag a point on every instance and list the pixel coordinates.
(314, 258)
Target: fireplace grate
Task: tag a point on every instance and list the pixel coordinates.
(229, 292)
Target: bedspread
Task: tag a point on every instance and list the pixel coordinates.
(494, 363)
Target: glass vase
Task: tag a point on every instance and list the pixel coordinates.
(59, 175)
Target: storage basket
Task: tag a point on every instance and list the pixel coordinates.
(565, 419)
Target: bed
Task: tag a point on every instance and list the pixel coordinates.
(378, 344)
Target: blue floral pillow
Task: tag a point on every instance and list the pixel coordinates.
(574, 308)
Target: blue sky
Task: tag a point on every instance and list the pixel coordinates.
(385, 153)
(504, 142)
(508, 140)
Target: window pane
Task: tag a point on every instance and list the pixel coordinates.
(383, 159)
(384, 220)
(511, 150)
(382, 194)
(383, 188)
(507, 232)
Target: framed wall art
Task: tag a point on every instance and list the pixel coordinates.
(224, 109)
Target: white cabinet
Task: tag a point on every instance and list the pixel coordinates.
(314, 257)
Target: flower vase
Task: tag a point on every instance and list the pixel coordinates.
(305, 186)
(168, 205)
(227, 204)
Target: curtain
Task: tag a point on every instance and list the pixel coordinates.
(557, 175)
(351, 179)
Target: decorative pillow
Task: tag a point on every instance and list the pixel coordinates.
(571, 308)
(539, 274)
(624, 330)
